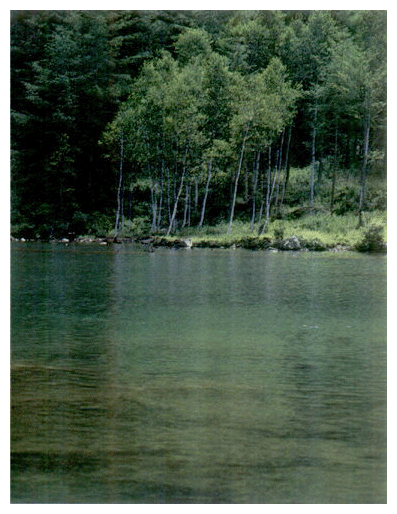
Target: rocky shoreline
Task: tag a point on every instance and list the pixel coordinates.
(149, 243)
(249, 243)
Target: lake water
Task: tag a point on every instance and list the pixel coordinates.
(197, 376)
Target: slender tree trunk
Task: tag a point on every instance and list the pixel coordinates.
(189, 206)
(159, 218)
(364, 167)
(269, 193)
(116, 226)
(122, 208)
(280, 159)
(174, 183)
(262, 200)
(196, 192)
(170, 228)
(287, 167)
(207, 188)
(331, 205)
(240, 165)
(254, 189)
(186, 209)
(246, 188)
(313, 157)
(173, 216)
(130, 203)
(269, 199)
(169, 194)
(153, 194)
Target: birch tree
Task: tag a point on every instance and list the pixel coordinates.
(265, 105)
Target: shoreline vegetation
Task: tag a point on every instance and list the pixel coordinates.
(296, 225)
(252, 129)
(313, 232)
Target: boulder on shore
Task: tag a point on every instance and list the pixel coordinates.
(292, 243)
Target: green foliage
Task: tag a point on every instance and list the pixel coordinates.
(278, 232)
(329, 230)
(196, 97)
(96, 224)
(193, 44)
(138, 227)
(23, 229)
(373, 240)
(346, 192)
(264, 104)
(318, 232)
(376, 195)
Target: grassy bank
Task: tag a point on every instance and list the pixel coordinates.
(329, 231)
(312, 231)
(297, 219)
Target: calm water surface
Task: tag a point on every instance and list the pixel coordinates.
(197, 376)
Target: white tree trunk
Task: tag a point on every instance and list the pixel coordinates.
(364, 168)
(179, 193)
(207, 187)
(254, 188)
(240, 165)
(116, 226)
(313, 158)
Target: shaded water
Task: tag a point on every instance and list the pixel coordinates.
(205, 376)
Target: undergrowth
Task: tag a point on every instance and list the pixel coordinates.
(331, 230)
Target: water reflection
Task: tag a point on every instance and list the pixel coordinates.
(196, 377)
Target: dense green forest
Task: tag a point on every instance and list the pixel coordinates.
(141, 122)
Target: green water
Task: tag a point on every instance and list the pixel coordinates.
(197, 376)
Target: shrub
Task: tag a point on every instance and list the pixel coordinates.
(278, 233)
(23, 229)
(345, 201)
(373, 240)
(100, 224)
(139, 226)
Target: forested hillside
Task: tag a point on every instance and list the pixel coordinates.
(138, 122)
